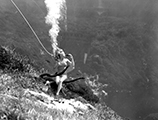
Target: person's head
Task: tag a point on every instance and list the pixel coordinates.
(60, 55)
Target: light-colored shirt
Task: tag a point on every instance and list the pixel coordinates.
(62, 64)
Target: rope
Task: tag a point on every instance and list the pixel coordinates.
(30, 27)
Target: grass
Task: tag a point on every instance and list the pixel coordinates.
(22, 96)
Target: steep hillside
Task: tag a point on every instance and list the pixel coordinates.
(23, 95)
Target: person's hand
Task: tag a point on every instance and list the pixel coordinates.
(47, 83)
(70, 55)
(70, 78)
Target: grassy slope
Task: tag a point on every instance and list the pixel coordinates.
(23, 97)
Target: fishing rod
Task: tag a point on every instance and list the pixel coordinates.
(30, 27)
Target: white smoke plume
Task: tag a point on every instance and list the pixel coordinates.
(56, 11)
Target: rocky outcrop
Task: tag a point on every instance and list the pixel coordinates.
(73, 88)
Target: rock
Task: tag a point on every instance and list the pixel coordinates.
(3, 115)
(70, 105)
(75, 89)
(81, 89)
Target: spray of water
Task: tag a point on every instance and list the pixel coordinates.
(56, 11)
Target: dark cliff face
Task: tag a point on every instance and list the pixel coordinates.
(123, 39)
(121, 47)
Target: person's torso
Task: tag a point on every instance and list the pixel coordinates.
(61, 66)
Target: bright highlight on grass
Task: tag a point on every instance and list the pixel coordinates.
(56, 11)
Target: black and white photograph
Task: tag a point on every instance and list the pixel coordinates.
(78, 59)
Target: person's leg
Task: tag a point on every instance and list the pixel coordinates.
(62, 78)
(57, 79)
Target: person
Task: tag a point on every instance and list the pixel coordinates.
(62, 62)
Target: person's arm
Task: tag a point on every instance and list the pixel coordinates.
(71, 66)
(72, 61)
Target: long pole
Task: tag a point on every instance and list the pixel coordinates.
(30, 27)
